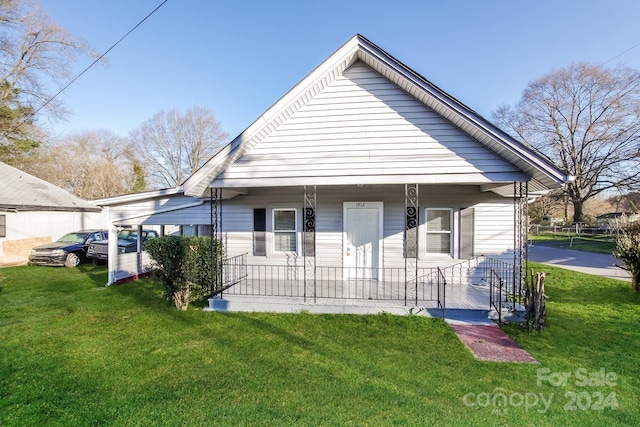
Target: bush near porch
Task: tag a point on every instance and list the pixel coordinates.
(73, 352)
(186, 267)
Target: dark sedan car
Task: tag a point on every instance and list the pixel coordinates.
(69, 250)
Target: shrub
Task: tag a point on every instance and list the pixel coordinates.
(168, 254)
(201, 270)
(185, 267)
(627, 250)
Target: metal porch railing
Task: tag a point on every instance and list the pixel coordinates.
(234, 271)
(379, 284)
(496, 285)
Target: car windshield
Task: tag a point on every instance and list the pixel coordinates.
(73, 238)
(127, 235)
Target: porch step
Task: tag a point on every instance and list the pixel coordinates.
(464, 316)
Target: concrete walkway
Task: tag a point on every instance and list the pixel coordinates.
(584, 262)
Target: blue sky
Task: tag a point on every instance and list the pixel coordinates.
(239, 57)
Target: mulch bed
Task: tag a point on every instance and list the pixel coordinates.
(491, 343)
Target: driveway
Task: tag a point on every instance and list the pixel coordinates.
(585, 262)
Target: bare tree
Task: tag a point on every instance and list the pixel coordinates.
(585, 119)
(36, 56)
(547, 206)
(91, 165)
(174, 145)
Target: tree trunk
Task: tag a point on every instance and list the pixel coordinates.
(577, 211)
(181, 298)
(535, 302)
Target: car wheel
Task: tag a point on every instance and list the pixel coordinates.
(72, 260)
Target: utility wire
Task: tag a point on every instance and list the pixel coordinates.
(622, 53)
(47, 102)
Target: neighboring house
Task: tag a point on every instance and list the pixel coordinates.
(33, 212)
(365, 183)
(613, 220)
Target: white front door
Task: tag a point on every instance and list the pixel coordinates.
(362, 231)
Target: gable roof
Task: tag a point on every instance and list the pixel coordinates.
(23, 192)
(544, 175)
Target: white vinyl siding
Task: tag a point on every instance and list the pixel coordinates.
(285, 233)
(129, 265)
(439, 231)
(494, 229)
(364, 127)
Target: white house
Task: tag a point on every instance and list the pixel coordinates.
(364, 184)
(33, 212)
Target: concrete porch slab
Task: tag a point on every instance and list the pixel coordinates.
(296, 305)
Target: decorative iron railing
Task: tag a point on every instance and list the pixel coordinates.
(496, 285)
(442, 289)
(512, 286)
(378, 284)
(234, 271)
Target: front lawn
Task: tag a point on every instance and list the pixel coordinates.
(603, 244)
(73, 352)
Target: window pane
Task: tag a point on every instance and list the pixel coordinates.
(285, 242)
(438, 223)
(284, 220)
(439, 243)
(188, 230)
(438, 220)
(3, 226)
(284, 230)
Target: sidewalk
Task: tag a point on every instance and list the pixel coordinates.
(584, 262)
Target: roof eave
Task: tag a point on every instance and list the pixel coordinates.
(135, 197)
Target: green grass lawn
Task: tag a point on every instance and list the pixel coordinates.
(600, 244)
(74, 353)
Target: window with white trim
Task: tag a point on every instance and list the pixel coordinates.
(3, 226)
(285, 230)
(438, 224)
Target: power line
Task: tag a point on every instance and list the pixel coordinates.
(622, 53)
(48, 101)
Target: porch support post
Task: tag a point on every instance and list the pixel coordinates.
(411, 240)
(309, 240)
(215, 232)
(520, 237)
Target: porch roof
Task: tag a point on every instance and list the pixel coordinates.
(540, 173)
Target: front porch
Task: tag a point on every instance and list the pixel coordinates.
(481, 283)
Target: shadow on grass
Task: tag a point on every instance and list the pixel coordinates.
(98, 275)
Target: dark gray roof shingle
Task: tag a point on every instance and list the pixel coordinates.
(20, 191)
